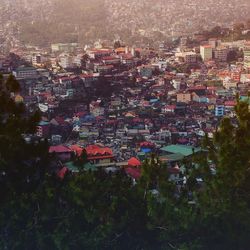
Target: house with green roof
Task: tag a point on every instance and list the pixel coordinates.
(245, 99)
(178, 151)
(75, 169)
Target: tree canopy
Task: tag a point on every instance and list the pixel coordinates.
(102, 210)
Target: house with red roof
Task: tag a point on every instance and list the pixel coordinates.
(111, 60)
(134, 162)
(99, 53)
(199, 90)
(230, 104)
(98, 155)
(134, 173)
(76, 149)
(168, 109)
(61, 151)
(133, 169)
(62, 172)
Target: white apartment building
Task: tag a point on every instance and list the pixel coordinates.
(206, 52)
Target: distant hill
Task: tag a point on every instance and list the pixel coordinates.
(45, 21)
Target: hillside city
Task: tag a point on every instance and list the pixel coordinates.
(83, 21)
(127, 98)
(112, 107)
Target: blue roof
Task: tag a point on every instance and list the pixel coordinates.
(146, 150)
(43, 123)
(154, 100)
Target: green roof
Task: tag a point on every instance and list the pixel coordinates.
(181, 149)
(141, 153)
(141, 156)
(72, 167)
(88, 166)
(172, 157)
(245, 99)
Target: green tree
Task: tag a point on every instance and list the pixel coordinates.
(223, 207)
(81, 160)
(117, 44)
(12, 85)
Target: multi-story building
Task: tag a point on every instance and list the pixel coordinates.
(214, 42)
(188, 57)
(247, 55)
(99, 53)
(36, 59)
(236, 75)
(25, 73)
(206, 52)
(183, 42)
(66, 61)
(184, 97)
(64, 47)
(220, 54)
(219, 110)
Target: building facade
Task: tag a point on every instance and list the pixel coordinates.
(206, 52)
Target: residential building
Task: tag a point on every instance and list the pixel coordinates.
(219, 110)
(66, 61)
(188, 57)
(206, 52)
(220, 54)
(36, 59)
(25, 73)
(184, 97)
(63, 47)
(99, 155)
(246, 51)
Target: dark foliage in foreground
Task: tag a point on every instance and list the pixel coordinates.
(96, 210)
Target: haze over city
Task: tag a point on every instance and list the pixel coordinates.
(46, 21)
(124, 125)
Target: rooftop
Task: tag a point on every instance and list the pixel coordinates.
(181, 149)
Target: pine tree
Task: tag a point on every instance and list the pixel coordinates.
(223, 207)
(12, 85)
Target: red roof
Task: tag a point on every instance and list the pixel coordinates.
(171, 107)
(207, 46)
(134, 162)
(80, 114)
(86, 76)
(133, 172)
(110, 58)
(146, 144)
(230, 103)
(77, 149)
(62, 172)
(197, 88)
(94, 150)
(60, 120)
(59, 149)
(211, 88)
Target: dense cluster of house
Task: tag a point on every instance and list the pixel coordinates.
(156, 101)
